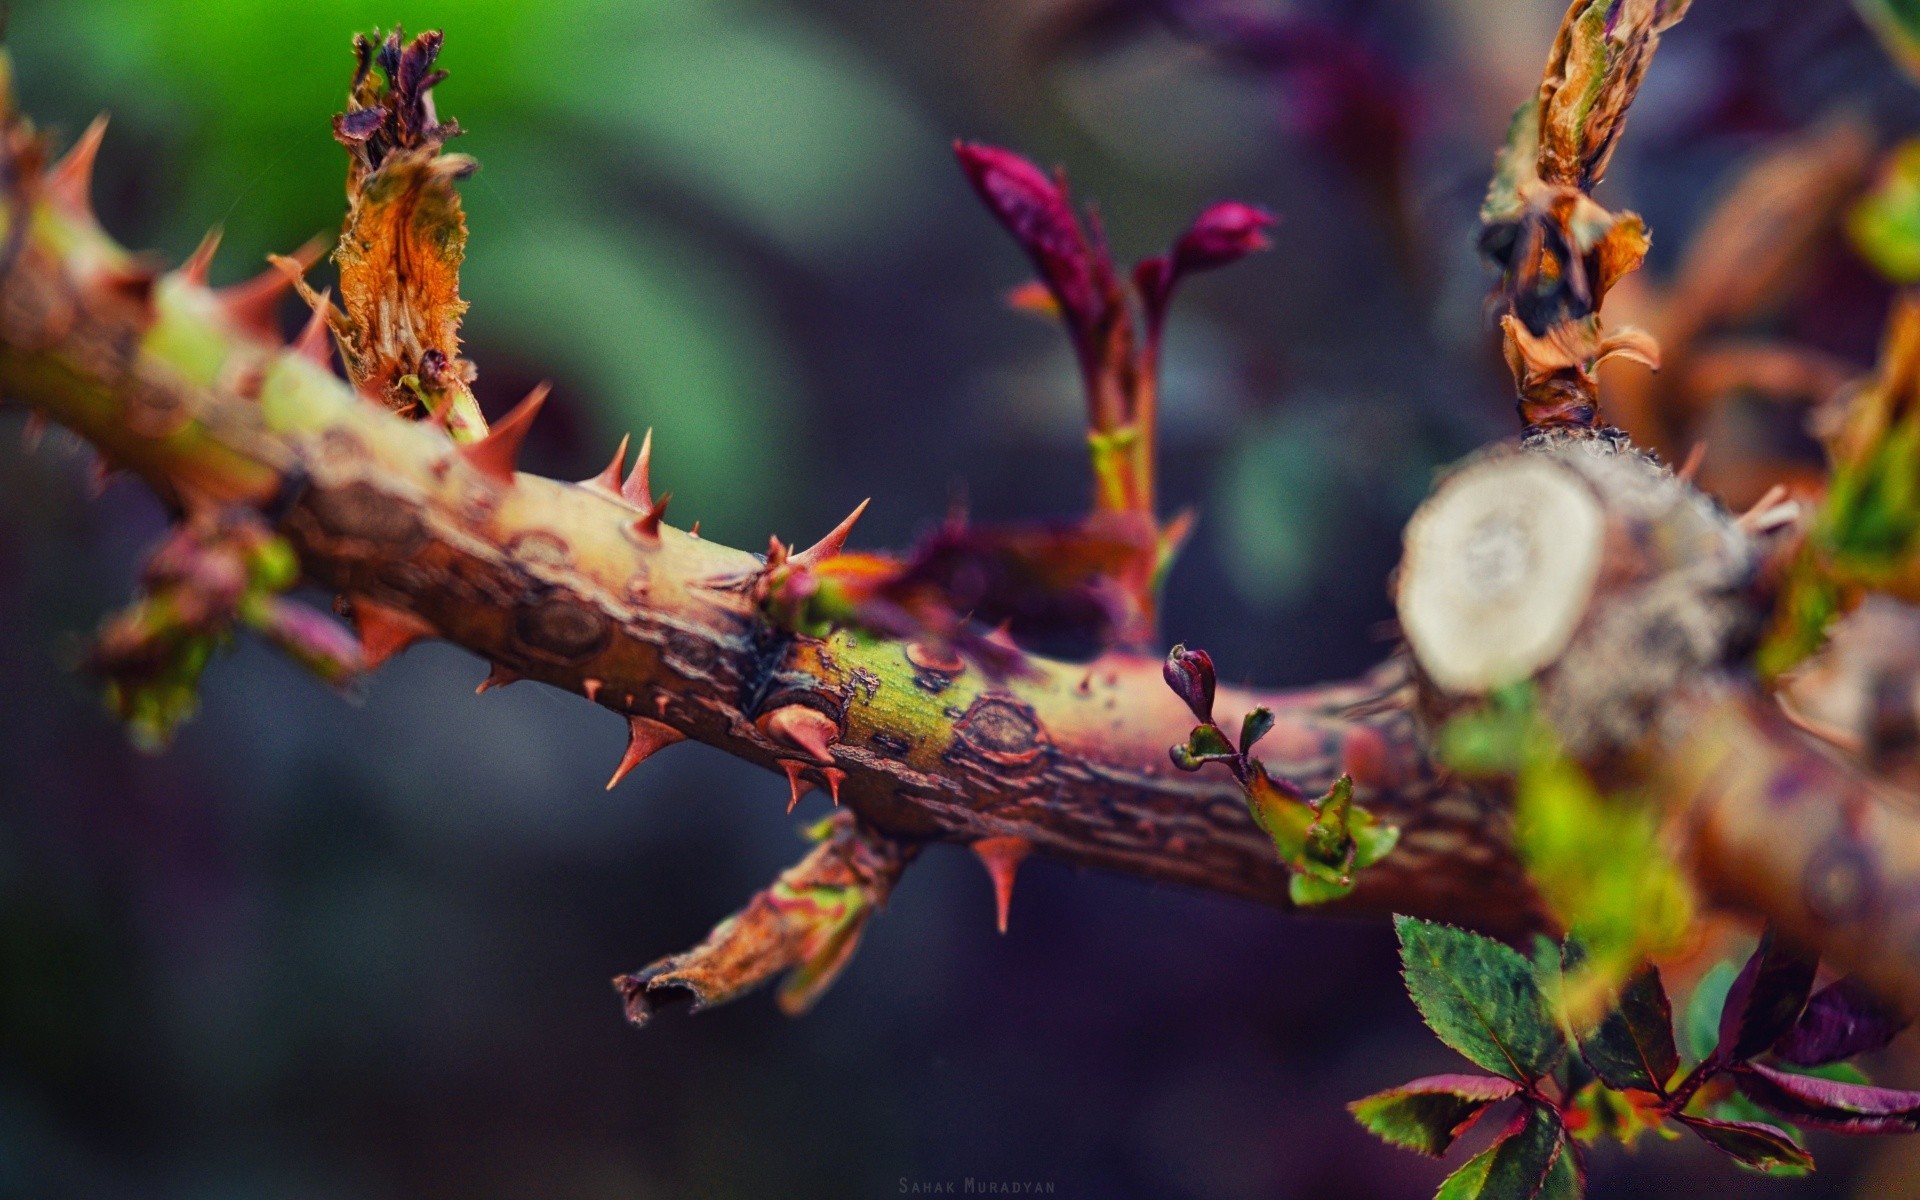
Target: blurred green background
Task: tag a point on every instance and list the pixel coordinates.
(323, 949)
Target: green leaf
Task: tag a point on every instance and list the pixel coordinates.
(1426, 1115)
(1703, 1010)
(1752, 1144)
(1255, 726)
(1480, 997)
(1631, 1043)
(1308, 890)
(1522, 1165)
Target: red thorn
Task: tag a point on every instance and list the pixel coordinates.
(835, 777)
(591, 689)
(70, 181)
(497, 677)
(608, 481)
(804, 728)
(645, 738)
(660, 703)
(796, 786)
(254, 305)
(385, 631)
(834, 542)
(34, 431)
(695, 531)
(1691, 467)
(638, 488)
(200, 262)
(777, 552)
(495, 454)
(1002, 635)
(1002, 857)
(315, 343)
(648, 526)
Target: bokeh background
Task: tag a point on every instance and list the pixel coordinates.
(360, 949)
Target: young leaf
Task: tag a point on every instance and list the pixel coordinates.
(1765, 1000)
(1702, 1023)
(1256, 725)
(1204, 745)
(1829, 1104)
(1533, 1160)
(1426, 1115)
(1480, 997)
(1631, 1045)
(1759, 1146)
(1843, 1019)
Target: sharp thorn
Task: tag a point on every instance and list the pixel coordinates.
(645, 738)
(590, 688)
(495, 454)
(254, 305)
(608, 481)
(835, 777)
(200, 263)
(1002, 857)
(660, 703)
(804, 728)
(70, 181)
(796, 786)
(695, 531)
(648, 526)
(497, 677)
(315, 341)
(834, 542)
(385, 631)
(638, 489)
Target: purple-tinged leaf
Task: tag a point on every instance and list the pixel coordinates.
(1759, 1146)
(1426, 1115)
(1037, 211)
(1190, 674)
(1631, 1044)
(1843, 1019)
(1765, 1000)
(1830, 1104)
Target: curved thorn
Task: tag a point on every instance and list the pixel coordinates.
(638, 488)
(645, 738)
(608, 480)
(70, 181)
(200, 262)
(1002, 857)
(385, 631)
(648, 526)
(254, 304)
(834, 542)
(497, 677)
(495, 454)
(796, 786)
(835, 777)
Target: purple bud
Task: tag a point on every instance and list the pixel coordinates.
(1036, 209)
(1190, 674)
(1225, 233)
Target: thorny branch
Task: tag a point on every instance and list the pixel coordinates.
(861, 673)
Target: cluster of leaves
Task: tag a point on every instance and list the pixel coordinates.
(1761, 1040)
(1597, 860)
(220, 568)
(1326, 839)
